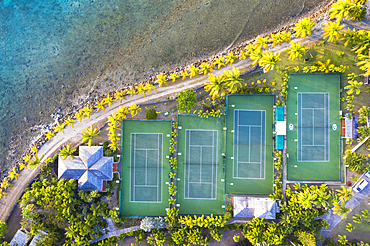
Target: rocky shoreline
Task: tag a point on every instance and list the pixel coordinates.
(14, 155)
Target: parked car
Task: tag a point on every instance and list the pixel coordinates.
(361, 185)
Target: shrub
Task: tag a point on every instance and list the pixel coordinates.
(105, 145)
(150, 223)
(3, 229)
(229, 207)
(151, 114)
(227, 216)
(349, 183)
(186, 100)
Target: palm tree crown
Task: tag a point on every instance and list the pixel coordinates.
(296, 51)
(67, 151)
(215, 85)
(232, 79)
(304, 27)
(331, 31)
(269, 60)
(89, 134)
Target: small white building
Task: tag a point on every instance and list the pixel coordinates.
(255, 207)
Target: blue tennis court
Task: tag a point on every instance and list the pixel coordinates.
(313, 127)
(249, 144)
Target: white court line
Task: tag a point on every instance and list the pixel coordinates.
(159, 168)
(188, 160)
(326, 124)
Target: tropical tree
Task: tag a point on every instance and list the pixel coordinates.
(161, 79)
(256, 56)
(347, 9)
(88, 110)
(269, 60)
(349, 227)
(230, 58)
(341, 209)
(134, 109)
(345, 193)
(119, 95)
(131, 91)
(304, 27)
(286, 36)
(364, 63)
(364, 131)
(185, 74)
(35, 162)
(13, 174)
(343, 240)
(276, 39)
(193, 70)
(251, 48)
(296, 51)
(325, 66)
(50, 134)
(357, 218)
(220, 61)
(66, 151)
(232, 80)
(108, 100)
(206, 67)
(261, 42)
(174, 76)
(89, 134)
(3, 229)
(215, 85)
(242, 55)
(354, 160)
(149, 87)
(331, 31)
(59, 127)
(141, 89)
(186, 100)
(353, 86)
(69, 121)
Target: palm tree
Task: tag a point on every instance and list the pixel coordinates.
(345, 194)
(353, 86)
(286, 36)
(364, 111)
(215, 85)
(243, 55)
(13, 174)
(174, 76)
(340, 209)
(141, 89)
(161, 79)
(296, 51)
(304, 27)
(261, 42)
(69, 121)
(35, 162)
(66, 151)
(276, 39)
(50, 134)
(269, 60)
(22, 166)
(89, 134)
(230, 58)
(256, 56)
(149, 87)
(347, 9)
(206, 67)
(364, 63)
(119, 95)
(220, 61)
(364, 131)
(351, 36)
(349, 227)
(99, 105)
(325, 67)
(122, 111)
(5, 184)
(331, 31)
(59, 127)
(113, 146)
(193, 70)
(343, 239)
(131, 91)
(232, 80)
(108, 100)
(250, 48)
(134, 110)
(88, 110)
(184, 74)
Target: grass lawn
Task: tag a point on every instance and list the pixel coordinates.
(361, 231)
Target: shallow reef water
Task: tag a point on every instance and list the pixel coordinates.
(56, 53)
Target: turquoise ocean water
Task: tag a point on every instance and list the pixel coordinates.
(57, 53)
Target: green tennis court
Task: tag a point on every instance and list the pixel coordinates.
(144, 166)
(200, 174)
(249, 146)
(313, 135)
(200, 164)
